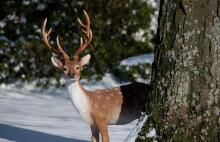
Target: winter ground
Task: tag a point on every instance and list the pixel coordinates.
(32, 115)
(29, 114)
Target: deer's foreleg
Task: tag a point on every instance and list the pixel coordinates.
(103, 128)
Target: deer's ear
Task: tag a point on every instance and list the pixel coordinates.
(85, 60)
(56, 62)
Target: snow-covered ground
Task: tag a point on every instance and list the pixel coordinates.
(30, 114)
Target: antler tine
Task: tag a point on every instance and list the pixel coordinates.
(85, 28)
(65, 56)
(46, 38)
(88, 23)
(90, 36)
(46, 35)
(80, 23)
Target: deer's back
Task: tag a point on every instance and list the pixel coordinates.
(119, 105)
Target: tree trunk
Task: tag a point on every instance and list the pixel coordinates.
(185, 100)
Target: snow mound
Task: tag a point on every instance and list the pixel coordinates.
(107, 81)
(141, 59)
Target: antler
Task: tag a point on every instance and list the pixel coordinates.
(46, 38)
(87, 36)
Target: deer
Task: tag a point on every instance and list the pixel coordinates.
(99, 108)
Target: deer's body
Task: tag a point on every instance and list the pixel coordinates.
(119, 105)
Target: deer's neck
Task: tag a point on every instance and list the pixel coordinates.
(79, 99)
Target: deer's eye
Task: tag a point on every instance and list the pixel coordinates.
(77, 68)
(65, 68)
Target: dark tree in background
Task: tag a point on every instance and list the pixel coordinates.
(185, 101)
(115, 24)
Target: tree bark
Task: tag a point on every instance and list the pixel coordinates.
(185, 100)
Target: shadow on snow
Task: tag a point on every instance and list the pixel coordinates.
(24, 135)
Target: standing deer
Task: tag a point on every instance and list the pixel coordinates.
(118, 105)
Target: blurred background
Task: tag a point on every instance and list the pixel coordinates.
(121, 29)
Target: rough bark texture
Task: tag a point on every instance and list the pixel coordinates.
(185, 100)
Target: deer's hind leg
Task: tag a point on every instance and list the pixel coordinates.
(95, 133)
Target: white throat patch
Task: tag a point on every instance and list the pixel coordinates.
(80, 100)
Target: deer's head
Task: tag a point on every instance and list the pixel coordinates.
(71, 66)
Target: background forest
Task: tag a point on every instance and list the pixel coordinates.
(121, 29)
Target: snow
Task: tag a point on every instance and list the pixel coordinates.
(32, 114)
(141, 59)
(152, 133)
(134, 132)
(107, 81)
(2, 24)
